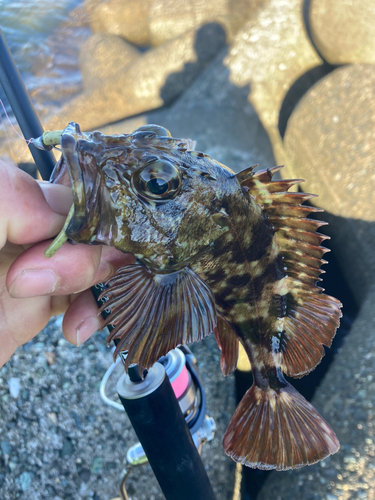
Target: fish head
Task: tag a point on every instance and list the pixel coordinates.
(145, 193)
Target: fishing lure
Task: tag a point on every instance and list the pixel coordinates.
(233, 254)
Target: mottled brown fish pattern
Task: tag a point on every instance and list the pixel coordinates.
(233, 254)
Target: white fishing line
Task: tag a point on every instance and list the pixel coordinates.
(28, 141)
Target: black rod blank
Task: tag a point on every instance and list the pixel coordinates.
(23, 108)
(165, 437)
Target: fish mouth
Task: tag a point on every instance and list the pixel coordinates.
(82, 176)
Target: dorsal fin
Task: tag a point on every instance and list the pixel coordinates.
(246, 174)
(310, 317)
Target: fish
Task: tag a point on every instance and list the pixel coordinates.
(217, 252)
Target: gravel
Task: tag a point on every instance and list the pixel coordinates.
(58, 440)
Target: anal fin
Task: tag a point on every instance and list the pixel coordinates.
(278, 430)
(228, 344)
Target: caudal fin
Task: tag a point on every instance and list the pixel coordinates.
(278, 430)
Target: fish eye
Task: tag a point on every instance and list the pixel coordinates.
(157, 186)
(154, 129)
(157, 180)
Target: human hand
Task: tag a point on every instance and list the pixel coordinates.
(32, 287)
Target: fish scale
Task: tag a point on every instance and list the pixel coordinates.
(232, 254)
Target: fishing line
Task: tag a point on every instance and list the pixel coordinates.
(11, 124)
(28, 141)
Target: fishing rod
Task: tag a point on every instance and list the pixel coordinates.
(150, 402)
(23, 108)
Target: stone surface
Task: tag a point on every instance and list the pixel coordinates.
(103, 56)
(217, 114)
(127, 18)
(90, 6)
(14, 387)
(64, 442)
(343, 31)
(24, 480)
(330, 141)
(169, 19)
(268, 55)
(346, 398)
(154, 80)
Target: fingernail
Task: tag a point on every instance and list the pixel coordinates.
(86, 328)
(104, 272)
(58, 197)
(33, 282)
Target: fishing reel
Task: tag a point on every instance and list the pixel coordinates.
(179, 365)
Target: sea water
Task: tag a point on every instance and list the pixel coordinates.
(27, 26)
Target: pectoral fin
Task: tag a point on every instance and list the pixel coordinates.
(153, 313)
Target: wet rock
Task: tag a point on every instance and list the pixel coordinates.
(77, 420)
(25, 395)
(330, 473)
(154, 80)
(343, 31)
(50, 357)
(6, 447)
(14, 387)
(127, 18)
(51, 490)
(330, 141)
(90, 6)
(39, 346)
(85, 474)
(354, 462)
(97, 465)
(171, 18)
(103, 56)
(67, 448)
(12, 466)
(52, 417)
(110, 465)
(269, 54)
(24, 480)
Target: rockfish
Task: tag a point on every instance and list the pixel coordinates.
(233, 254)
